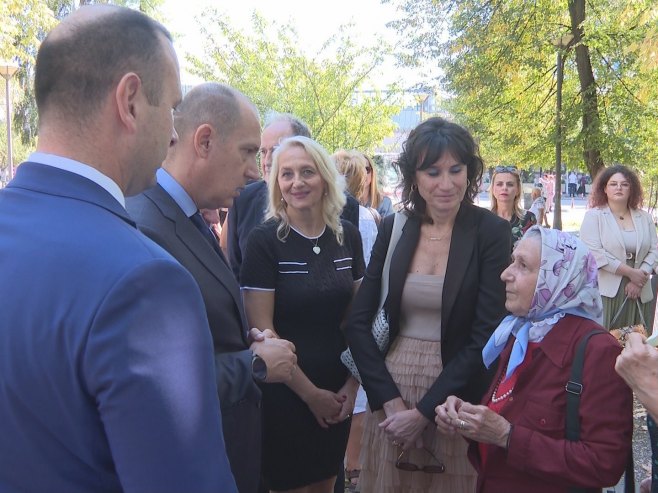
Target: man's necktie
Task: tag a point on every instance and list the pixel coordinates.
(201, 225)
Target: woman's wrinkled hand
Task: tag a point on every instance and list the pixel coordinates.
(446, 415)
(638, 364)
(481, 424)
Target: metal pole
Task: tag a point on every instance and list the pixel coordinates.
(9, 148)
(557, 215)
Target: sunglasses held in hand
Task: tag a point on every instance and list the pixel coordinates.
(404, 465)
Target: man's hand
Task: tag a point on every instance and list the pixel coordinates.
(257, 335)
(279, 357)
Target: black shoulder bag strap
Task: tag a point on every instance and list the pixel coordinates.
(574, 388)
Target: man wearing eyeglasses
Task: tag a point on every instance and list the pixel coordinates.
(248, 210)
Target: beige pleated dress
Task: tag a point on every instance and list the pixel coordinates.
(414, 362)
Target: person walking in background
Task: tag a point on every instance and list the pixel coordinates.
(436, 334)
(573, 184)
(623, 239)
(214, 157)
(300, 270)
(371, 196)
(519, 439)
(107, 380)
(538, 207)
(548, 183)
(505, 193)
(582, 183)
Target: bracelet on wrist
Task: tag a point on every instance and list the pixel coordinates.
(509, 436)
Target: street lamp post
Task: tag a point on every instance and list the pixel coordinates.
(561, 43)
(7, 70)
(421, 98)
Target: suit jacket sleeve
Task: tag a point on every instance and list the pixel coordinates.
(377, 381)
(591, 231)
(651, 258)
(493, 247)
(148, 365)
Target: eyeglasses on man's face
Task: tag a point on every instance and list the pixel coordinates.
(263, 152)
(405, 465)
(506, 169)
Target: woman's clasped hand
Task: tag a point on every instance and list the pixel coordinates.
(472, 421)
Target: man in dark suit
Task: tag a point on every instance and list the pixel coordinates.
(248, 210)
(106, 374)
(215, 156)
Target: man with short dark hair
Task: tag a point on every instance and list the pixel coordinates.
(214, 157)
(249, 209)
(107, 381)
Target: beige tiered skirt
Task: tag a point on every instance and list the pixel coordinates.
(414, 364)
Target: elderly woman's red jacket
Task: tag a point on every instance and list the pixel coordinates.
(539, 458)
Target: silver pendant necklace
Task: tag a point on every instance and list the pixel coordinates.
(314, 241)
(316, 248)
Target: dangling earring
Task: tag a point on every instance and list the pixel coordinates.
(284, 202)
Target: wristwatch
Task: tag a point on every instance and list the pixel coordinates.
(258, 368)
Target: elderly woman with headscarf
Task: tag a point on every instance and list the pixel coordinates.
(518, 434)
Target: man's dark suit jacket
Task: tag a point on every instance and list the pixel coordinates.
(473, 304)
(159, 217)
(248, 211)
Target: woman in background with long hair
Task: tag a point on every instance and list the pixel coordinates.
(371, 196)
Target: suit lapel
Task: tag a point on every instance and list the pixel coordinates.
(613, 227)
(193, 239)
(461, 251)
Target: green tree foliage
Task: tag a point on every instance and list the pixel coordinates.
(327, 91)
(499, 66)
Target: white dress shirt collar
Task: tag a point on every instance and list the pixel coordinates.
(81, 169)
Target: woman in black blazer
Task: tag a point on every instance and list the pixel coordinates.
(445, 299)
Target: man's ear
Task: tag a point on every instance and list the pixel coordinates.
(203, 137)
(127, 99)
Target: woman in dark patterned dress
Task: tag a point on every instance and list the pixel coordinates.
(505, 192)
(300, 271)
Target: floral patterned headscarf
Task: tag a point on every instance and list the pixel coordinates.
(567, 283)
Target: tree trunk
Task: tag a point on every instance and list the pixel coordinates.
(591, 123)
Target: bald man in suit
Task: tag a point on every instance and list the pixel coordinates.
(214, 157)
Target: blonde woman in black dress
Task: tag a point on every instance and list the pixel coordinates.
(300, 271)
